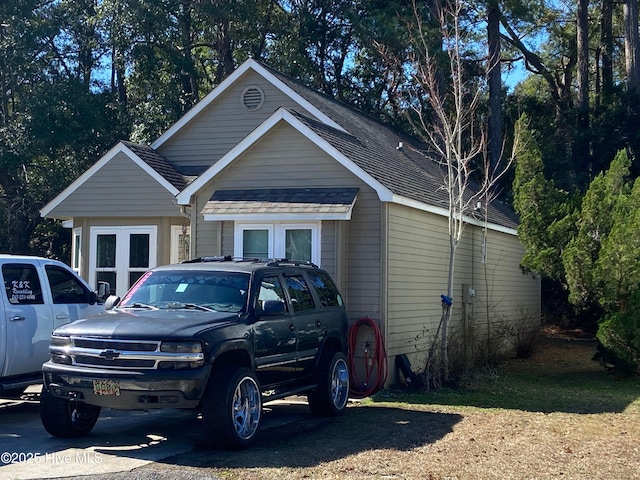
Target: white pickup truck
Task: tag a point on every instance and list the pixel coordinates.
(39, 295)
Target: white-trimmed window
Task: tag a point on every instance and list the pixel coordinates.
(180, 243)
(76, 249)
(295, 241)
(120, 255)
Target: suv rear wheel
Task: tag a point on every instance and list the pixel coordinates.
(66, 418)
(331, 395)
(232, 407)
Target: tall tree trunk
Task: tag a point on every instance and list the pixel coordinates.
(632, 61)
(631, 41)
(4, 78)
(582, 59)
(188, 73)
(606, 47)
(582, 39)
(495, 84)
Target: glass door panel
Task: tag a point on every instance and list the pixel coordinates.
(298, 244)
(106, 245)
(139, 250)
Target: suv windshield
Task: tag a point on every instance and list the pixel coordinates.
(189, 289)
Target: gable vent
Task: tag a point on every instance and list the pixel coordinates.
(252, 97)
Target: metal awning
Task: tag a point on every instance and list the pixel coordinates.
(281, 204)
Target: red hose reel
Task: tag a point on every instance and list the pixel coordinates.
(367, 358)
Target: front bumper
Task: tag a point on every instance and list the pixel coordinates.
(137, 389)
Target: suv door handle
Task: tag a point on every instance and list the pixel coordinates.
(16, 318)
(292, 327)
(318, 323)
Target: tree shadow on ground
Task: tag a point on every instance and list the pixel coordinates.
(313, 441)
(305, 441)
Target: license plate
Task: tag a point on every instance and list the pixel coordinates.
(106, 387)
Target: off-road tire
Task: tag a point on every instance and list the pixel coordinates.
(330, 397)
(232, 408)
(66, 418)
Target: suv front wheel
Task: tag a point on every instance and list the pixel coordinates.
(232, 407)
(331, 395)
(66, 418)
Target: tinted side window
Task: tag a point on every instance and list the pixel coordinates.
(270, 289)
(327, 291)
(22, 284)
(300, 294)
(65, 288)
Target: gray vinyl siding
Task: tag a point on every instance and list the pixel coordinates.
(223, 124)
(417, 264)
(207, 236)
(120, 189)
(302, 164)
(328, 247)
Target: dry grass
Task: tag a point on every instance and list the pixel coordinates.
(556, 415)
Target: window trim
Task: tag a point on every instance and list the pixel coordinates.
(122, 269)
(176, 231)
(277, 231)
(76, 250)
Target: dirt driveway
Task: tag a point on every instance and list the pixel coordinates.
(474, 438)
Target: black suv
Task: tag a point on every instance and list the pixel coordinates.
(218, 335)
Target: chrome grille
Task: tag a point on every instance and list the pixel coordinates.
(115, 363)
(101, 344)
(120, 354)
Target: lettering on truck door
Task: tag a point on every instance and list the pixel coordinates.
(29, 319)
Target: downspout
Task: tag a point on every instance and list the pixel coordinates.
(185, 211)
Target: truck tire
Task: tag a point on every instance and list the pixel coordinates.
(66, 418)
(332, 393)
(232, 408)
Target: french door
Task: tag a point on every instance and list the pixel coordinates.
(120, 255)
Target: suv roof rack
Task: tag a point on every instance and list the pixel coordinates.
(269, 262)
(217, 258)
(274, 262)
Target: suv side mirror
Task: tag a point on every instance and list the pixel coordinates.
(92, 298)
(104, 290)
(272, 308)
(111, 302)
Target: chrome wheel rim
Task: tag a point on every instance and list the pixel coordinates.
(246, 408)
(340, 384)
(80, 415)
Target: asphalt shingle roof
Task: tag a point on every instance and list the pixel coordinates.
(160, 164)
(281, 200)
(372, 146)
(369, 143)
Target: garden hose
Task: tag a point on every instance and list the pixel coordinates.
(376, 366)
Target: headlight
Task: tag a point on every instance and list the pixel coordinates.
(181, 347)
(58, 341)
(181, 355)
(58, 349)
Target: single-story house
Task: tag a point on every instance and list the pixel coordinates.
(266, 167)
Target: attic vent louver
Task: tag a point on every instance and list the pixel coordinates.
(252, 98)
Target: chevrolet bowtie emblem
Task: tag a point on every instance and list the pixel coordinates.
(110, 354)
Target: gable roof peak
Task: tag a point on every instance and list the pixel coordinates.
(265, 72)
